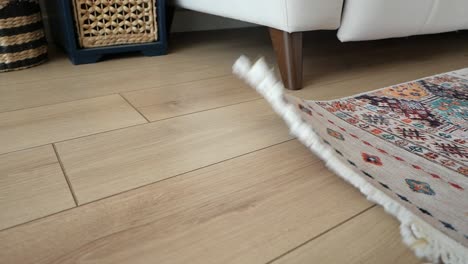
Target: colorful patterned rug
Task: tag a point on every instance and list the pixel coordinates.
(403, 146)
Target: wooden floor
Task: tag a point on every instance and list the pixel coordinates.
(173, 160)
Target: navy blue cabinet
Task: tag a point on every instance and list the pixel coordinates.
(64, 32)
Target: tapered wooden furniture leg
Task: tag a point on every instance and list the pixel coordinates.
(288, 49)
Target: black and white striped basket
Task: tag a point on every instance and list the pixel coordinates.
(22, 38)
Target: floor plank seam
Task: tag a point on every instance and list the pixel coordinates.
(66, 176)
(57, 103)
(190, 171)
(170, 84)
(134, 107)
(209, 109)
(60, 141)
(319, 235)
(125, 127)
(30, 221)
(199, 205)
(107, 94)
(123, 69)
(139, 187)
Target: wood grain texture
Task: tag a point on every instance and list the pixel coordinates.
(66, 89)
(186, 48)
(246, 210)
(32, 185)
(109, 163)
(47, 124)
(158, 103)
(58, 81)
(203, 55)
(372, 237)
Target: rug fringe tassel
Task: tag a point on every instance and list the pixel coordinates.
(426, 241)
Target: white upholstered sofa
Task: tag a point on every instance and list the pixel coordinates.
(356, 20)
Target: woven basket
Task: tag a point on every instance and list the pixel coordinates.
(22, 39)
(115, 22)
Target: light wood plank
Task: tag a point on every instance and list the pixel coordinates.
(159, 103)
(59, 81)
(109, 163)
(372, 237)
(32, 185)
(209, 55)
(74, 88)
(203, 210)
(47, 124)
(185, 49)
(246, 210)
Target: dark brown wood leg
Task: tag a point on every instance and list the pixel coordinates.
(288, 49)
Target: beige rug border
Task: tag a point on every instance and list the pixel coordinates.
(425, 240)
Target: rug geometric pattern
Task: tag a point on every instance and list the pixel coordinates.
(411, 140)
(404, 146)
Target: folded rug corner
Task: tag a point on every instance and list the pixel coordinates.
(402, 146)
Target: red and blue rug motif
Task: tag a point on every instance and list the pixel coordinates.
(404, 146)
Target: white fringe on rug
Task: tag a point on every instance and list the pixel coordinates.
(425, 240)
